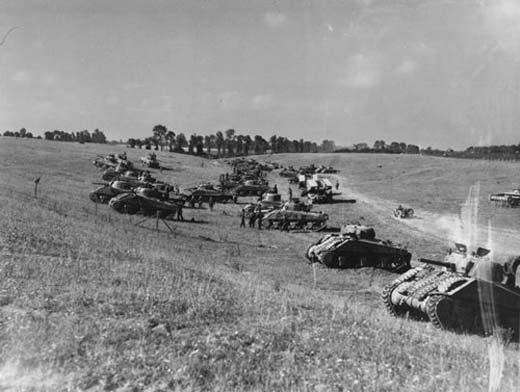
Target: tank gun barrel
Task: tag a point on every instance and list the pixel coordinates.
(448, 265)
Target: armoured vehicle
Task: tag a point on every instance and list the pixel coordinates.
(250, 188)
(111, 160)
(206, 191)
(296, 204)
(145, 201)
(271, 200)
(289, 172)
(282, 219)
(355, 247)
(471, 292)
(104, 193)
(151, 161)
(506, 199)
(402, 212)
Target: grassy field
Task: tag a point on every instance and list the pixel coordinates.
(89, 301)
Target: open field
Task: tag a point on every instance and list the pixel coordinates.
(89, 301)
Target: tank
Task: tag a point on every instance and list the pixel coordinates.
(296, 204)
(356, 247)
(144, 201)
(205, 192)
(469, 292)
(250, 188)
(282, 219)
(271, 200)
(150, 161)
(506, 199)
(402, 212)
(104, 193)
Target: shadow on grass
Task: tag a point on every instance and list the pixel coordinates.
(330, 230)
(342, 201)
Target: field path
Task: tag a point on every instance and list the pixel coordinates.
(446, 227)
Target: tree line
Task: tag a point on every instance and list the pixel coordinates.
(227, 143)
(493, 152)
(380, 146)
(21, 133)
(82, 136)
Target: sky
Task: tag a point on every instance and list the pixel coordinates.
(429, 72)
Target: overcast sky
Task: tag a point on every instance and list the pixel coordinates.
(439, 73)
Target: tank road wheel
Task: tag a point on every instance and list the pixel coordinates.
(317, 226)
(440, 312)
(393, 309)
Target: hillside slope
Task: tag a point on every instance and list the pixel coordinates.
(90, 301)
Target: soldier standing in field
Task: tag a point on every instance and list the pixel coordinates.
(243, 219)
(252, 219)
(259, 220)
(179, 213)
(211, 203)
(290, 194)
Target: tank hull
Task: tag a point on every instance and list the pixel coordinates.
(345, 251)
(455, 302)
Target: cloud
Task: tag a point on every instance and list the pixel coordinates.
(22, 76)
(262, 101)
(501, 20)
(362, 72)
(274, 19)
(406, 66)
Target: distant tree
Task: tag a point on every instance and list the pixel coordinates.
(131, 143)
(199, 144)
(219, 141)
(191, 143)
(379, 145)
(260, 145)
(328, 146)
(180, 142)
(170, 138)
(273, 142)
(412, 149)
(230, 136)
(239, 143)
(159, 135)
(8, 133)
(98, 136)
(247, 144)
(29, 135)
(207, 143)
(22, 132)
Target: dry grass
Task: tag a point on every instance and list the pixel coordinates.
(88, 301)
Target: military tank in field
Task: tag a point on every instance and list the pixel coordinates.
(250, 188)
(104, 193)
(355, 247)
(506, 199)
(470, 293)
(282, 219)
(145, 201)
(205, 192)
(403, 212)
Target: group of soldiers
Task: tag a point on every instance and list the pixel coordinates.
(256, 216)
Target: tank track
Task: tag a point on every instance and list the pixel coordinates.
(439, 307)
(392, 308)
